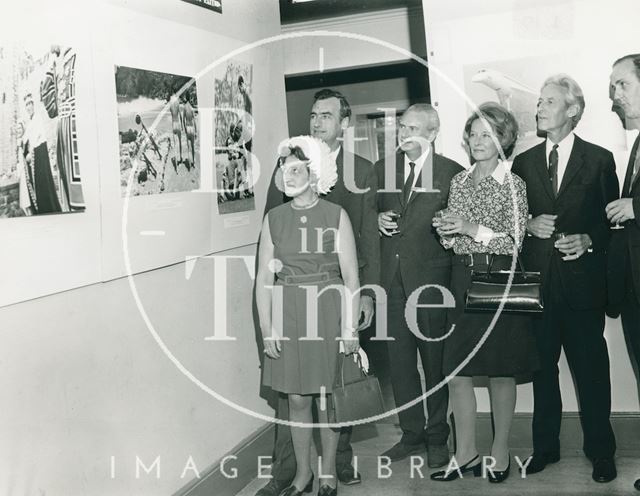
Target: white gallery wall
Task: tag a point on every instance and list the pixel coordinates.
(101, 369)
(528, 41)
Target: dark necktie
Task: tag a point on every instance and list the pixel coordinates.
(553, 169)
(406, 190)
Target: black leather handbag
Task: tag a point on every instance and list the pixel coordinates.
(489, 288)
(356, 395)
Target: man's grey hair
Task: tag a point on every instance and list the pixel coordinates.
(573, 94)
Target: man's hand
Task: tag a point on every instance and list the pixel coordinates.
(542, 226)
(574, 245)
(366, 310)
(620, 211)
(386, 223)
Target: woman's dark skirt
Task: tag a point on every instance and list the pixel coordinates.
(509, 349)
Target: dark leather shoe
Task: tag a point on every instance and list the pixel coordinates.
(474, 465)
(348, 476)
(637, 485)
(272, 488)
(326, 490)
(400, 451)
(498, 476)
(294, 491)
(604, 470)
(437, 455)
(540, 460)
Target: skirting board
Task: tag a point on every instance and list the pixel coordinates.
(625, 425)
(213, 481)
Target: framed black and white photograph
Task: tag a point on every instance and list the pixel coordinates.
(39, 162)
(233, 137)
(158, 130)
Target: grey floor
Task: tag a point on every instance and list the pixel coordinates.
(571, 476)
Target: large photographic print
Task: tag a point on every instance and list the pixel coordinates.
(39, 164)
(164, 154)
(233, 138)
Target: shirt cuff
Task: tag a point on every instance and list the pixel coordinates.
(484, 235)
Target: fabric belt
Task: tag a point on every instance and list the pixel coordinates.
(332, 273)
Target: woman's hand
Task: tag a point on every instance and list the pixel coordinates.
(272, 346)
(350, 341)
(452, 224)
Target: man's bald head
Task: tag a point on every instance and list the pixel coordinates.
(419, 126)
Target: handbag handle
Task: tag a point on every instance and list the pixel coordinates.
(520, 264)
(340, 369)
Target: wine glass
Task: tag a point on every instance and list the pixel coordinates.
(439, 215)
(395, 216)
(616, 226)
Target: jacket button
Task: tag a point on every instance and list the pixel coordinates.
(397, 255)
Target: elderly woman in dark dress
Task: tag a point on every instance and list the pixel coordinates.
(486, 214)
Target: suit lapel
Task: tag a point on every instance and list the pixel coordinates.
(626, 189)
(400, 178)
(336, 195)
(574, 165)
(540, 164)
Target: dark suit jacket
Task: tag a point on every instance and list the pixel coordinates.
(624, 252)
(588, 184)
(416, 251)
(361, 208)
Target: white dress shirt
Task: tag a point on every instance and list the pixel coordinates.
(417, 168)
(334, 153)
(564, 151)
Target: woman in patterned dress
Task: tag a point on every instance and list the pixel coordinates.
(487, 212)
(309, 244)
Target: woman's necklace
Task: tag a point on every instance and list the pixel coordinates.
(305, 206)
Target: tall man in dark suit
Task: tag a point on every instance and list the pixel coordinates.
(355, 191)
(569, 182)
(624, 291)
(411, 256)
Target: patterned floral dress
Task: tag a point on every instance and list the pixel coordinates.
(499, 205)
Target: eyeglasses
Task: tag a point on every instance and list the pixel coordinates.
(294, 169)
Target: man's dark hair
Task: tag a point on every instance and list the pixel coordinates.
(633, 57)
(240, 80)
(325, 94)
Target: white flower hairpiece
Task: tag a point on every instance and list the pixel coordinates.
(323, 170)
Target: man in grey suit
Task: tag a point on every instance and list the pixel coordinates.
(411, 256)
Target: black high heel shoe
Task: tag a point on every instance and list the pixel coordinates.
(443, 476)
(294, 491)
(327, 490)
(497, 476)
